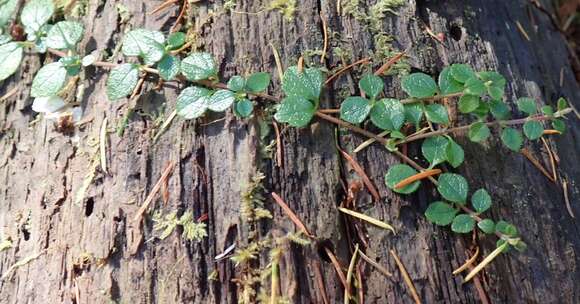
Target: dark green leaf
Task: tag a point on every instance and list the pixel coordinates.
(237, 83)
(506, 228)
(463, 223)
(437, 113)
(448, 84)
(192, 102)
(372, 85)
(468, 103)
(455, 154)
(307, 83)
(434, 149)
(548, 110)
(49, 80)
(355, 109)
(562, 104)
(499, 109)
(520, 246)
(533, 129)
(244, 108)
(64, 35)
(221, 100)
(297, 111)
(527, 105)
(10, 58)
(122, 80)
(559, 125)
(419, 85)
(169, 67)
(512, 138)
(413, 113)
(398, 173)
(198, 66)
(480, 200)
(258, 82)
(487, 226)
(440, 213)
(453, 187)
(500, 242)
(474, 86)
(482, 110)
(388, 114)
(176, 40)
(462, 72)
(495, 84)
(478, 132)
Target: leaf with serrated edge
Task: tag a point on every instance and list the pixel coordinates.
(419, 85)
(355, 109)
(453, 187)
(49, 80)
(198, 66)
(35, 14)
(10, 58)
(297, 111)
(440, 213)
(434, 149)
(388, 114)
(64, 35)
(397, 173)
(122, 80)
(221, 100)
(192, 102)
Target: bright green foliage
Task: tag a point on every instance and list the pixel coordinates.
(474, 86)
(122, 81)
(49, 80)
(7, 8)
(413, 113)
(468, 103)
(372, 85)
(193, 102)
(559, 125)
(355, 109)
(480, 200)
(487, 226)
(176, 40)
(478, 132)
(527, 105)
(533, 129)
(419, 85)
(147, 44)
(64, 35)
(562, 104)
(448, 84)
(453, 187)
(499, 109)
(35, 14)
(297, 111)
(237, 83)
(10, 57)
(398, 173)
(198, 66)
(258, 82)
(440, 213)
(434, 149)
(388, 114)
(506, 228)
(221, 100)
(495, 84)
(548, 110)
(437, 113)
(169, 67)
(243, 108)
(482, 110)
(462, 72)
(307, 83)
(72, 64)
(455, 154)
(512, 139)
(463, 223)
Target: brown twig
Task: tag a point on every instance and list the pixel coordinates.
(154, 191)
(320, 281)
(467, 263)
(536, 163)
(325, 34)
(552, 158)
(378, 266)
(385, 67)
(360, 171)
(293, 217)
(278, 145)
(180, 16)
(566, 198)
(344, 69)
(406, 277)
(162, 6)
(338, 269)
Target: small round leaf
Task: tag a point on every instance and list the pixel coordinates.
(468, 103)
(434, 149)
(64, 35)
(440, 213)
(462, 72)
(198, 66)
(487, 226)
(455, 154)
(244, 108)
(192, 102)
(372, 85)
(419, 85)
(512, 138)
(297, 111)
(463, 223)
(527, 105)
(398, 173)
(533, 129)
(169, 67)
(355, 109)
(453, 187)
(437, 113)
(221, 100)
(258, 82)
(49, 80)
(480, 200)
(122, 80)
(447, 82)
(10, 58)
(388, 114)
(478, 132)
(237, 83)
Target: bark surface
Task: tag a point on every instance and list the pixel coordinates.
(41, 169)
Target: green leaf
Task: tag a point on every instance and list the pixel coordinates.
(447, 82)
(192, 102)
(487, 226)
(122, 81)
(533, 129)
(307, 84)
(258, 82)
(372, 85)
(388, 114)
(237, 83)
(481, 110)
(478, 132)
(512, 138)
(468, 103)
(244, 108)
(169, 67)
(527, 105)
(440, 213)
(495, 84)
(453, 187)
(176, 40)
(548, 110)
(221, 100)
(562, 104)
(463, 223)
(413, 113)
(455, 154)
(35, 14)
(462, 72)
(64, 35)
(434, 149)
(474, 86)
(520, 246)
(144, 43)
(499, 109)
(500, 243)
(398, 173)
(355, 109)
(72, 64)
(49, 80)
(480, 200)
(198, 66)
(297, 111)
(7, 9)
(10, 58)
(437, 113)
(419, 85)
(559, 125)
(506, 228)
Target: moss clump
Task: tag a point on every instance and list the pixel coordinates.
(286, 7)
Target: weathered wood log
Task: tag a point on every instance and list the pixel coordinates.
(42, 170)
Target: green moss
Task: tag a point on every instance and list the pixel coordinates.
(286, 7)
